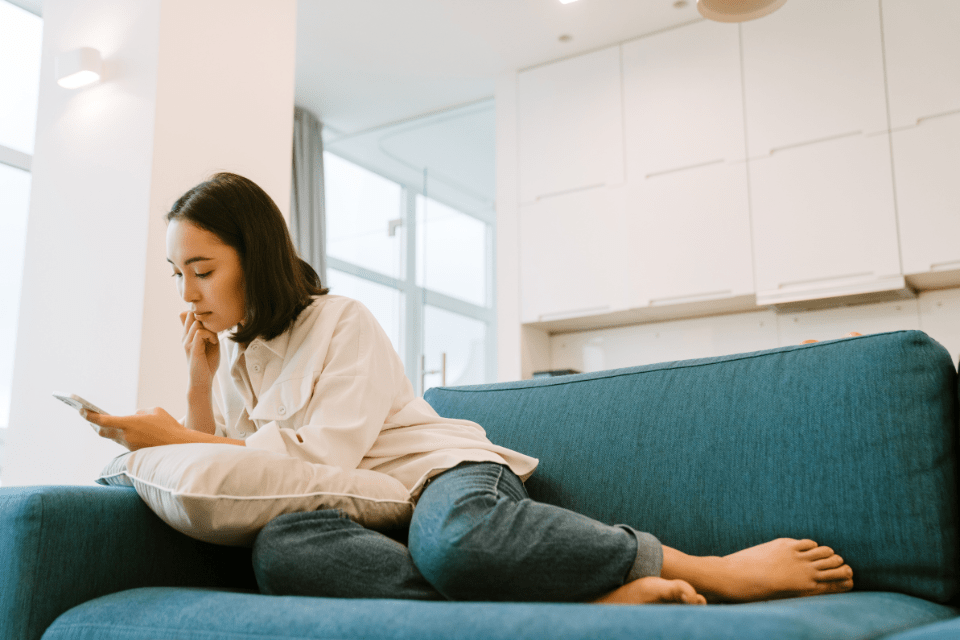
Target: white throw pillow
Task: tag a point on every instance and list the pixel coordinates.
(225, 494)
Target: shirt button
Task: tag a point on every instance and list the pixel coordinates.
(282, 409)
(254, 347)
(256, 368)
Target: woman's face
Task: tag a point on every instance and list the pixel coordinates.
(208, 273)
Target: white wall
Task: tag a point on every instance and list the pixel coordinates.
(188, 89)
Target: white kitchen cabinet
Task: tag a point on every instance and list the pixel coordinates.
(823, 220)
(572, 255)
(683, 99)
(927, 174)
(571, 125)
(813, 70)
(922, 48)
(689, 236)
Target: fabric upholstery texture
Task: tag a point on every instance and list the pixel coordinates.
(852, 443)
(225, 494)
(194, 614)
(946, 630)
(63, 545)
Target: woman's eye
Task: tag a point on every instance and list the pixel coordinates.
(176, 275)
(204, 275)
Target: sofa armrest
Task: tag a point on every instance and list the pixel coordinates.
(63, 545)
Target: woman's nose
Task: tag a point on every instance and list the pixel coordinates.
(188, 292)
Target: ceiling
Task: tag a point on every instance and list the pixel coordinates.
(366, 63)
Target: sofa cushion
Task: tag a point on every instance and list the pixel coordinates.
(946, 630)
(195, 614)
(60, 546)
(225, 494)
(851, 442)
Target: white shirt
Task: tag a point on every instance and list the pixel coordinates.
(332, 390)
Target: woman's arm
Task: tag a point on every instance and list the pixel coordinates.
(200, 412)
(152, 428)
(203, 357)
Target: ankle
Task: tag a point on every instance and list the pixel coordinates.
(707, 574)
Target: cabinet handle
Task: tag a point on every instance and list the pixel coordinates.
(573, 313)
(784, 285)
(945, 266)
(697, 297)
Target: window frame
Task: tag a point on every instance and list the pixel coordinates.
(413, 298)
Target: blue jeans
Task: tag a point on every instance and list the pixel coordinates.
(475, 535)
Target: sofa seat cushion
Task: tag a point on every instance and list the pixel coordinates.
(852, 443)
(946, 630)
(200, 614)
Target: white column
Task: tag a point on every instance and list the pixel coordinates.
(189, 88)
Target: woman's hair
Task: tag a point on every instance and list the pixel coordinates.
(277, 284)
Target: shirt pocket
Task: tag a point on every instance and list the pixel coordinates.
(284, 402)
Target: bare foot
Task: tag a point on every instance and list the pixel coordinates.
(782, 568)
(652, 590)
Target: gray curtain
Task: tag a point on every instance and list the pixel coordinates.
(308, 225)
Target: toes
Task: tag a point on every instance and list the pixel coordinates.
(683, 592)
(831, 562)
(840, 586)
(818, 553)
(805, 545)
(839, 574)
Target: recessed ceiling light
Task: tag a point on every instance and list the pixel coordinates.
(567, 1)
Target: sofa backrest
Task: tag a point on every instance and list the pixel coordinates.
(851, 442)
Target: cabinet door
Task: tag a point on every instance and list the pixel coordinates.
(927, 173)
(813, 70)
(921, 39)
(571, 125)
(689, 236)
(572, 259)
(823, 217)
(683, 99)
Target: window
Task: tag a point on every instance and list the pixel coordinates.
(415, 244)
(20, 37)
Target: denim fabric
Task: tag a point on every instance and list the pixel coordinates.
(852, 443)
(63, 545)
(195, 614)
(325, 554)
(476, 535)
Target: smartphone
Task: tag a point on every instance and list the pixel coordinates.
(79, 403)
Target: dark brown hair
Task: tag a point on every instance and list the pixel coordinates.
(277, 284)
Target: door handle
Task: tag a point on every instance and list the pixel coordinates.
(424, 373)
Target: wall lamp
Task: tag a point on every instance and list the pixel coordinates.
(78, 68)
(737, 10)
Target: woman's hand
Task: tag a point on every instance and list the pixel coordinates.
(152, 428)
(203, 351)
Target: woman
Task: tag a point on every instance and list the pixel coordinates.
(313, 375)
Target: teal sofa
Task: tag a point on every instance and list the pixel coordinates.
(851, 442)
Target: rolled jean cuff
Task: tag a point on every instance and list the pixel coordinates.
(649, 561)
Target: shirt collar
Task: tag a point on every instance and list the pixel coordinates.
(277, 346)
